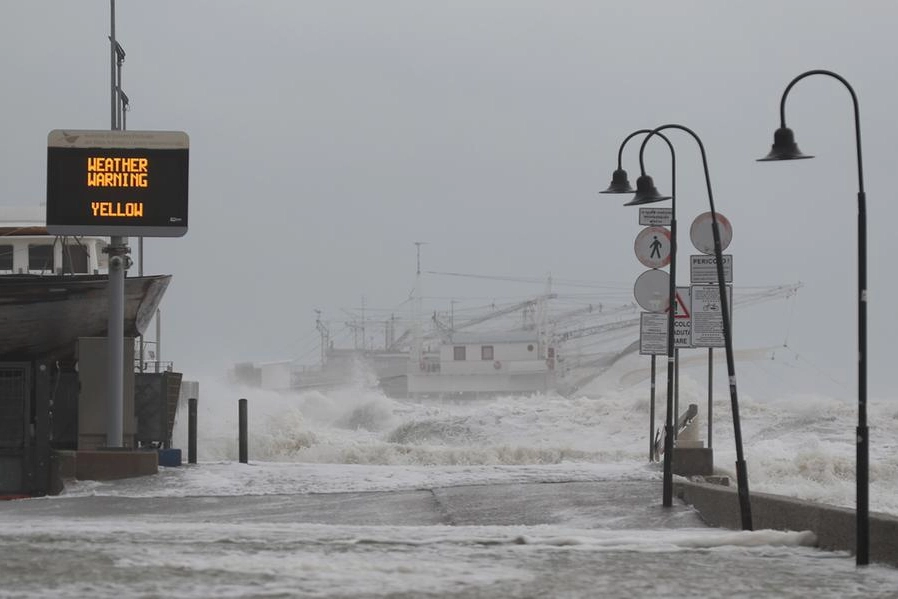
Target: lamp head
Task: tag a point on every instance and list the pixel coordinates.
(784, 147)
(620, 183)
(646, 193)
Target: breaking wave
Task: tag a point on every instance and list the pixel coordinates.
(798, 444)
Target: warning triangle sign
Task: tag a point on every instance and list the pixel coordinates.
(682, 311)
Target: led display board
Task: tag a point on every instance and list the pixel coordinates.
(119, 183)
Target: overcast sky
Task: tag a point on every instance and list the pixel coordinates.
(328, 136)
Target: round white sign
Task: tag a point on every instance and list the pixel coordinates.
(652, 290)
(652, 247)
(702, 233)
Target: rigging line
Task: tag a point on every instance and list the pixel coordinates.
(296, 341)
(311, 351)
(793, 300)
(826, 373)
(533, 280)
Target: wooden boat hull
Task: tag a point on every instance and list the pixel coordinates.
(42, 317)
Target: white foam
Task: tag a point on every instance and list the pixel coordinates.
(797, 442)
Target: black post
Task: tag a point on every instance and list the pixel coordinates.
(652, 415)
(191, 430)
(244, 454)
(741, 468)
(620, 184)
(863, 436)
(785, 148)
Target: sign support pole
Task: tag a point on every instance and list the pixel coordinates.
(116, 326)
(676, 393)
(710, 393)
(116, 342)
(652, 416)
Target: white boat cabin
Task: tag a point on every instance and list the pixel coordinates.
(488, 363)
(27, 248)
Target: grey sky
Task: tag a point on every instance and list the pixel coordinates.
(327, 137)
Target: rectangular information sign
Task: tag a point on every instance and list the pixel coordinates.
(703, 269)
(652, 334)
(707, 320)
(655, 217)
(653, 327)
(120, 183)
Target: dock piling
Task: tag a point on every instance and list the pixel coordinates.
(191, 430)
(244, 458)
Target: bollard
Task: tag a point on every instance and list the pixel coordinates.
(191, 430)
(244, 458)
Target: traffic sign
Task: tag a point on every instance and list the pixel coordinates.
(702, 233)
(652, 290)
(683, 318)
(653, 327)
(655, 217)
(707, 318)
(703, 269)
(652, 247)
(682, 309)
(652, 334)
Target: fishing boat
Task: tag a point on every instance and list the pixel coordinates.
(554, 342)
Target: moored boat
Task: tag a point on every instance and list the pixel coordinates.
(54, 289)
(42, 316)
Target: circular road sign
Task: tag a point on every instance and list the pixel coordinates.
(652, 247)
(652, 290)
(702, 233)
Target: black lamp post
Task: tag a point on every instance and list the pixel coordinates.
(785, 148)
(643, 195)
(646, 193)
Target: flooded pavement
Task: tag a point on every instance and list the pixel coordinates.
(577, 539)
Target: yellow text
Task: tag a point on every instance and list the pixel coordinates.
(126, 209)
(117, 172)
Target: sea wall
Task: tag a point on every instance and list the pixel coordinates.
(834, 526)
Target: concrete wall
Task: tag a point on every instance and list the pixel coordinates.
(834, 526)
(101, 465)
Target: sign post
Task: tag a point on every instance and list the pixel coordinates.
(703, 269)
(117, 183)
(655, 217)
(707, 318)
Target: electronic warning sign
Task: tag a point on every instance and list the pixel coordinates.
(119, 183)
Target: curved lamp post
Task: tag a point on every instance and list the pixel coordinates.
(785, 148)
(644, 192)
(647, 193)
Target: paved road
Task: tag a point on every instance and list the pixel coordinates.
(590, 539)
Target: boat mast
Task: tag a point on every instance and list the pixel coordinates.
(325, 335)
(417, 344)
(542, 314)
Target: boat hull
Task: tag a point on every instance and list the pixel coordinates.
(42, 317)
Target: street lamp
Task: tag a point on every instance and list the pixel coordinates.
(785, 148)
(645, 192)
